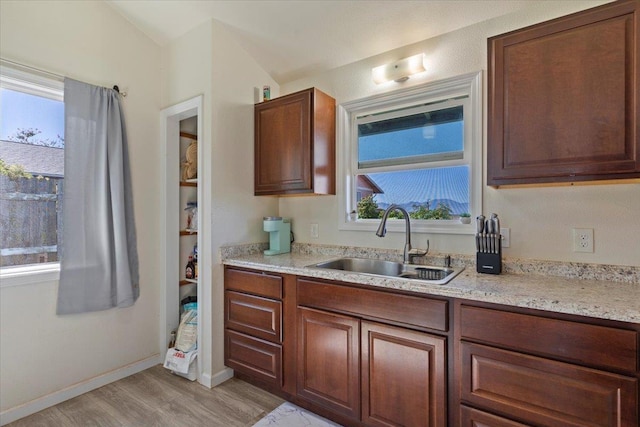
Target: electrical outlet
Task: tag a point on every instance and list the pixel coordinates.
(506, 237)
(314, 231)
(583, 240)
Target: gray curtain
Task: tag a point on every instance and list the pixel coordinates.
(99, 259)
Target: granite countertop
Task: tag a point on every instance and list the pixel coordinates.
(606, 299)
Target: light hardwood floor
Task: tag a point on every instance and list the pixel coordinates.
(155, 397)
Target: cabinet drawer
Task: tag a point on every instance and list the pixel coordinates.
(546, 392)
(257, 316)
(571, 341)
(257, 283)
(415, 311)
(470, 417)
(255, 357)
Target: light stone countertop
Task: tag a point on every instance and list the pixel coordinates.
(594, 298)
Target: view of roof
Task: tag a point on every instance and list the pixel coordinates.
(36, 159)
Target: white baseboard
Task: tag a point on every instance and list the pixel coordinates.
(205, 380)
(12, 414)
(222, 376)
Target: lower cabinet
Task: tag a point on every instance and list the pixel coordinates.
(403, 377)
(542, 371)
(546, 392)
(378, 374)
(367, 357)
(253, 325)
(329, 361)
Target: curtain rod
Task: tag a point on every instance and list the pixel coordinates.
(50, 74)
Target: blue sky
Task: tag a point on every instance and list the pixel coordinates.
(21, 110)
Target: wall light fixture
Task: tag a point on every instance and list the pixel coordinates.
(399, 71)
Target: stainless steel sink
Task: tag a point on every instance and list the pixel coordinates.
(376, 267)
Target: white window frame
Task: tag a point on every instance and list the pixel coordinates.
(34, 82)
(469, 86)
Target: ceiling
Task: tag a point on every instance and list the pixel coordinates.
(292, 39)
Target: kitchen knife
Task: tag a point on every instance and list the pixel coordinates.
(489, 230)
(496, 230)
(479, 230)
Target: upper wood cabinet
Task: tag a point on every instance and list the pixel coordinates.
(564, 99)
(295, 139)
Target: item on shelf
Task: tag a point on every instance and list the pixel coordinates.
(189, 299)
(189, 272)
(190, 165)
(192, 216)
(190, 306)
(195, 260)
(266, 93)
(188, 331)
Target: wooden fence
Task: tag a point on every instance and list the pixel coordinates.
(30, 219)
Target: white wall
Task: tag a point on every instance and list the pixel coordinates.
(186, 73)
(208, 61)
(540, 219)
(237, 213)
(40, 352)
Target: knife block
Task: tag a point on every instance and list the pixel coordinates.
(489, 263)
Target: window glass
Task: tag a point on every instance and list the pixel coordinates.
(419, 148)
(31, 168)
(411, 138)
(403, 154)
(430, 193)
(31, 119)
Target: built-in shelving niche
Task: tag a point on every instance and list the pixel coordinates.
(182, 124)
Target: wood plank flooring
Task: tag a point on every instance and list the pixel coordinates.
(155, 397)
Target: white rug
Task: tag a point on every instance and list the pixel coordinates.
(290, 415)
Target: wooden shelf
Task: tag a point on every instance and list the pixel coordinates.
(189, 183)
(188, 282)
(188, 232)
(189, 135)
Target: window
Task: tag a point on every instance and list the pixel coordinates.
(419, 148)
(31, 166)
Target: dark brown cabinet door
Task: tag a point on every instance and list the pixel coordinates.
(328, 361)
(295, 144)
(545, 392)
(403, 377)
(564, 99)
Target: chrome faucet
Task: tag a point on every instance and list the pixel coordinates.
(409, 253)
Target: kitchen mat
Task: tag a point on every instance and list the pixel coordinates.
(290, 415)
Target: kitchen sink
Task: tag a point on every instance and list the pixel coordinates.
(377, 267)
